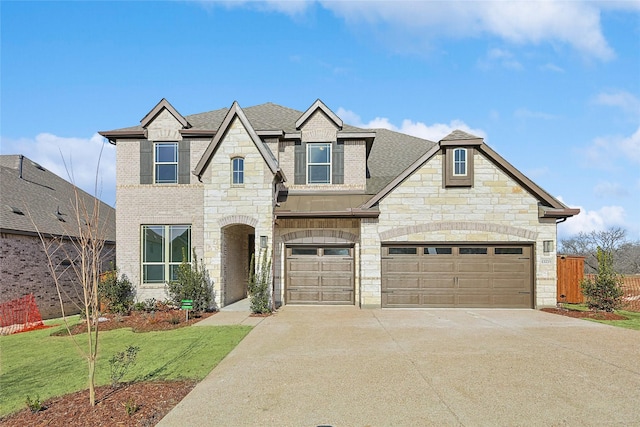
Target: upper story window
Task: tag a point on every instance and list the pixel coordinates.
(460, 162)
(319, 163)
(166, 163)
(458, 166)
(237, 168)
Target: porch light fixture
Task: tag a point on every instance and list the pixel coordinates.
(547, 246)
(263, 242)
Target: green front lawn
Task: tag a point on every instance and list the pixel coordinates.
(38, 364)
(632, 322)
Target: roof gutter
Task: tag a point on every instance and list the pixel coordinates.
(349, 213)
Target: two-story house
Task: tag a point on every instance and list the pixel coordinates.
(366, 217)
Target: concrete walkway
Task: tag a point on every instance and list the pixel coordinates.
(343, 366)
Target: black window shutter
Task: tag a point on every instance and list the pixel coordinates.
(338, 163)
(184, 173)
(300, 164)
(146, 162)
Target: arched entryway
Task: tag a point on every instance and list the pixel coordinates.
(238, 245)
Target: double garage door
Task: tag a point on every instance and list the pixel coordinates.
(457, 276)
(320, 275)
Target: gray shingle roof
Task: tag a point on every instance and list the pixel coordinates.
(43, 198)
(458, 135)
(391, 154)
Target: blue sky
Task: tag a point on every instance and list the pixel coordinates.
(554, 87)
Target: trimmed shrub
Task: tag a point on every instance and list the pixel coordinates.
(604, 291)
(193, 284)
(258, 286)
(116, 293)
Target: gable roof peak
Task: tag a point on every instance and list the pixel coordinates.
(164, 105)
(458, 135)
(319, 105)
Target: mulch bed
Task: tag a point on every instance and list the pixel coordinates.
(597, 315)
(137, 404)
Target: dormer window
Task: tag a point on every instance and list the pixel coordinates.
(460, 162)
(319, 163)
(458, 166)
(166, 163)
(237, 168)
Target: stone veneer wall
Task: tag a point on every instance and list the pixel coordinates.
(226, 204)
(24, 270)
(496, 209)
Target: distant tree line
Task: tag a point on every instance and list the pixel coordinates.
(626, 254)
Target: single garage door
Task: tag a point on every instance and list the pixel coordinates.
(457, 276)
(319, 275)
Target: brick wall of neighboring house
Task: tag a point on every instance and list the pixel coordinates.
(24, 269)
(495, 209)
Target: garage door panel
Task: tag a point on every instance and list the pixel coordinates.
(438, 266)
(341, 266)
(473, 267)
(304, 265)
(319, 275)
(438, 283)
(404, 283)
(481, 275)
(514, 283)
(304, 281)
(304, 297)
(398, 299)
(514, 267)
(337, 296)
(474, 283)
(402, 267)
(336, 282)
(438, 300)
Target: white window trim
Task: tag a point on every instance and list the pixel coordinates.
(330, 163)
(465, 162)
(233, 171)
(156, 162)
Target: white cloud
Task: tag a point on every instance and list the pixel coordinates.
(403, 23)
(621, 99)
(81, 156)
(590, 220)
(500, 57)
(552, 67)
(434, 132)
(604, 152)
(608, 189)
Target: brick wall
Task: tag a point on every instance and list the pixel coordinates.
(24, 270)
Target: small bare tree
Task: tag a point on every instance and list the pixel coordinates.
(80, 246)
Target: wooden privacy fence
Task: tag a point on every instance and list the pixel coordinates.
(570, 272)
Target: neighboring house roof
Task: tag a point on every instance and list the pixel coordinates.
(34, 199)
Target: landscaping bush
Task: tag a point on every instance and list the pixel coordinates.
(193, 284)
(258, 286)
(603, 292)
(116, 293)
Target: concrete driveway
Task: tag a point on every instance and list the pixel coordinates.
(343, 366)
